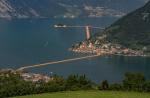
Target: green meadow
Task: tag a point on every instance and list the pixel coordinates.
(89, 94)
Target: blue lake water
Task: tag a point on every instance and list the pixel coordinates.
(32, 41)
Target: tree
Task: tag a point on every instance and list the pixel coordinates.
(84, 82)
(115, 86)
(146, 86)
(133, 81)
(104, 85)
(72, 82)
(76, 82)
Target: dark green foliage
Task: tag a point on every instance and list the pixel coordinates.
(146, 86)
(116, 87)
(134, 81)
(104, 85)
(58, 84)
(131, 82)
(13, 85)
(76, 82)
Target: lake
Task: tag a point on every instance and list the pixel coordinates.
(31, 41)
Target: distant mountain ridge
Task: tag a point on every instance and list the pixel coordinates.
(133, 30)
(66, 8)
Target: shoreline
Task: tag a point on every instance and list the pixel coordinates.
(107, 53)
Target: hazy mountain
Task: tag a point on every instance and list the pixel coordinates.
(133, 30)
(67, 8)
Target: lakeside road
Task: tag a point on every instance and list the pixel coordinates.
(56, 62)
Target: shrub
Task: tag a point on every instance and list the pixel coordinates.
(115, 87)
(133, 81)
(104, 85)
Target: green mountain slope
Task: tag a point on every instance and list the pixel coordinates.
(133, 30)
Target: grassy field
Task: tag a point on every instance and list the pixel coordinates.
(90, 94)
